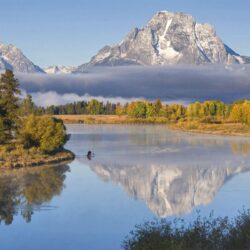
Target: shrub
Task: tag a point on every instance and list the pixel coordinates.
(210, 120)
(137, 109)
(204, 233)
(46, 133)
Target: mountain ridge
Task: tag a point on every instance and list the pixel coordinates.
(168, 38)
(59, 69)
(13, 58)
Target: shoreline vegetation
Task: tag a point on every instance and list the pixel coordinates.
(32, 135)
(109, 119)
(27, 139)
(194, 126)
(203, 233)
(208, 117)
(227, 129)
(25, 158)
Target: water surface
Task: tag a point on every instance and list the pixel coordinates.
(139, 172)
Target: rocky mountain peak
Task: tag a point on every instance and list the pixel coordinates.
(59, 69)
(12, 58)
(168, 38)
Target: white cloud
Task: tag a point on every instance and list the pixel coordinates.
(52, 98)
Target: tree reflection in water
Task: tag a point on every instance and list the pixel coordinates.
(24, 191)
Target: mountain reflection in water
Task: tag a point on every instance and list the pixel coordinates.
(171, 172)
(168, 189)
(27, 190)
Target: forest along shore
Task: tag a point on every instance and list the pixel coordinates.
(209, 117)
(232, 129)
(27, 139)
(195, 126)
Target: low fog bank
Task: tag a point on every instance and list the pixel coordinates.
(53, 98)
(120, 84)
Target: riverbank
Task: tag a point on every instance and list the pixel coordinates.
(11, 158)
(222, 128)
(109, 119)
(231, 129)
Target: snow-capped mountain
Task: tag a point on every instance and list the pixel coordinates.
(168, 38)
(59, 70)
(12, 58)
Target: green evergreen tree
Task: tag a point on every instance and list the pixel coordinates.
(2, 132)
(9, 91)
(27, 106)
(158, 106)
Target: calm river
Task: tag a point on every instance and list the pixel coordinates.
(138, 173)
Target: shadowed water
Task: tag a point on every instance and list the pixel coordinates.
(139, 172)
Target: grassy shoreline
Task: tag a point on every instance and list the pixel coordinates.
(109, 119)
(228, 129)
(224, 128)
(21, 158)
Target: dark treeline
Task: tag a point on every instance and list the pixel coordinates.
(207, 112)
(93, 107)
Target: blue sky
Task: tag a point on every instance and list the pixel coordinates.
(69, 32)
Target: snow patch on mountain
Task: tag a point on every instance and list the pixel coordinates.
(12, 58)
(59, 70)
(168, 38)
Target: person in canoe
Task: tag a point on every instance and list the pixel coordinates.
(90, 155)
